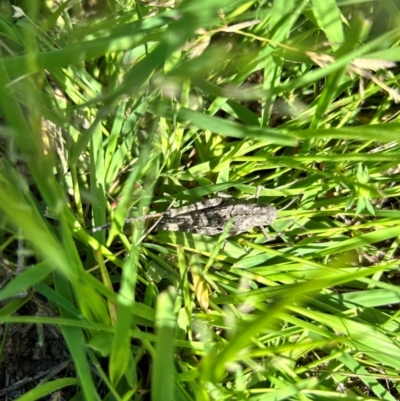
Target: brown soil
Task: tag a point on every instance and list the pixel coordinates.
(25, 362)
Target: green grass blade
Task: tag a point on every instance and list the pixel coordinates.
(163, 373)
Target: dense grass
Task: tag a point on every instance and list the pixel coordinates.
(121, 108)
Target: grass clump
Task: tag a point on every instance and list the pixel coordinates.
(120, 108)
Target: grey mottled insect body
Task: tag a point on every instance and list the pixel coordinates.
(213, 219)
(211, 216)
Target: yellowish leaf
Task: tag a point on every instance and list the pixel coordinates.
(201, 290)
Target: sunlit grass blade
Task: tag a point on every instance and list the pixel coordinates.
(163, 372)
